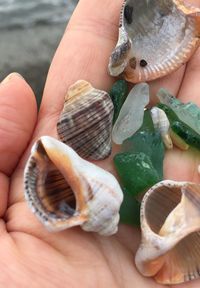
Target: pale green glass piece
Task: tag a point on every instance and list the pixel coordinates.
(188, 113)
(130, 118)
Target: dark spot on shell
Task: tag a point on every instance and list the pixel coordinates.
(66, 209)
(133, 63)
(143, 63)
(128, 14)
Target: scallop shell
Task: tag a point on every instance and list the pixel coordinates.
(170, 222)
(85, 123)
(155, 38)
(64, 190)
(161, 123)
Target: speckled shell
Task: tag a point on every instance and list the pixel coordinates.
(155, 38)
(170, 223)
(85, 123)
(64, 190)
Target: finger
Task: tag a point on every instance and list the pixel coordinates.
(4, 184)
(190, 86)
(18, 113)
(82, 54)
(171, 82)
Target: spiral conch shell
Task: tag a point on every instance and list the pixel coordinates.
(64, 190)
(170, 222)
(155, 38)
(85, 123)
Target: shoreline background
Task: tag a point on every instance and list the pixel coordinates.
(28, 47)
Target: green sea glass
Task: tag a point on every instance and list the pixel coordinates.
(148, 141)
(184, 131)
(136, 172)
(130, 210)
(146, 144)
(188, 113)
(118, 94)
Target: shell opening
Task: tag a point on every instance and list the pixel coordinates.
(54, 194)
(175, 257)
(156, 213)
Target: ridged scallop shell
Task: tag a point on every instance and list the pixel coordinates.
(64, 190)
(155, 38)
(170, 222)
(85, 123)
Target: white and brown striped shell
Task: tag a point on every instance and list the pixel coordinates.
(161, 124)
(85, 123)
(155, 38)
(64, 190)
(170, 223)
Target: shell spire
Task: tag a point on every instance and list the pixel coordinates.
(64, 190)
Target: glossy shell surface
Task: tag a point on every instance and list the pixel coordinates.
(64, 190)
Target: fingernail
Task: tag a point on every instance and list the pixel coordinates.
(12, 76)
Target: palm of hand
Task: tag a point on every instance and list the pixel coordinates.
(30, 256)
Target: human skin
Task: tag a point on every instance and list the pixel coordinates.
(29, 255)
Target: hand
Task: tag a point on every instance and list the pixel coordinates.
(31, 256)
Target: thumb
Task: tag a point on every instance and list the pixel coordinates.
(18, 112)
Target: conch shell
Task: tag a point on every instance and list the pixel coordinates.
(85, 123)
(170, 222)
(155, 38)
(64, 190)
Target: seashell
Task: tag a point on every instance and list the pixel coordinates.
(64, 190)
(161, 123)
(170, 222)
(155, 38)
(85, 123)
(178, 141)
(131, 116)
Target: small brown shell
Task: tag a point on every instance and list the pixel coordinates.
(155, 38)
(170, 222)
(85, 123)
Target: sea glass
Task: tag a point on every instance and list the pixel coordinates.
(130, 210)
(130, 118)
(184, 131)
(136, 172)
(148, 141)
(188, 113)
(118, 94)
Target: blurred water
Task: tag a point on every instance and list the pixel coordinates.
(25, 13)
(30, 33)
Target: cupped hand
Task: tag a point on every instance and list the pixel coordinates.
(29, 255)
